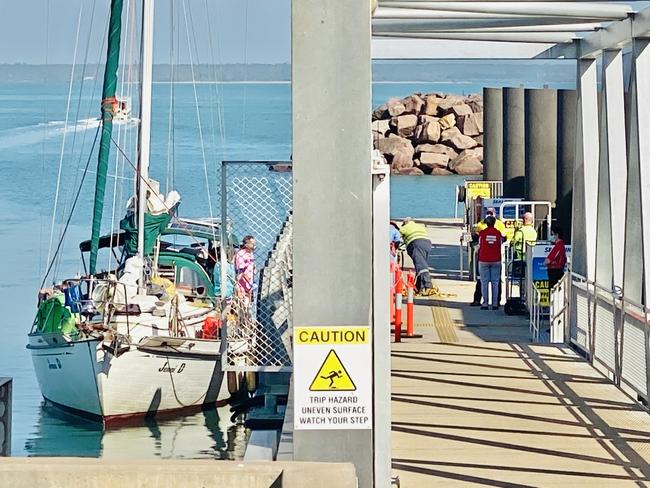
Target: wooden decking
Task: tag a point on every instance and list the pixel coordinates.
(475, 404)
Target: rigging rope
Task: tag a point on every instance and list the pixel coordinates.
(198, 111)
(74, 205)
(65, 130)
(45, 124)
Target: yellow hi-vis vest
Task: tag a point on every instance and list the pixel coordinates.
(412, 231)
(498, 225)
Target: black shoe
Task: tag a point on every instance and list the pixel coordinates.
(475, 304)
(484, 307)
(495, 307)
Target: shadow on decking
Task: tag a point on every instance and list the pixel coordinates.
(615, 442)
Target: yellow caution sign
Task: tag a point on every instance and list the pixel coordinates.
(332, 376)
(478, 189)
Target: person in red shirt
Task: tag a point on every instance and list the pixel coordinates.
(489, 262)
(556, 259)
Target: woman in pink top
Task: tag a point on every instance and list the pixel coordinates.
(244, 263)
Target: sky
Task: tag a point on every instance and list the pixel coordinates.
(256, 31)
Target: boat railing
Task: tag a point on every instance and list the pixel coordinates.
(89, 309)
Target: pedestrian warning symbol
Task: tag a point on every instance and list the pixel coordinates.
(332, 376)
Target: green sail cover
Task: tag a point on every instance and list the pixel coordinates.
(108, 98)
(153, 227)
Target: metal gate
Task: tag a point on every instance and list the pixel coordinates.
(256, 200)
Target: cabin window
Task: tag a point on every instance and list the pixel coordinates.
(189, 277)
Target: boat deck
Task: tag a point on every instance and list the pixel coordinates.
(474, 403)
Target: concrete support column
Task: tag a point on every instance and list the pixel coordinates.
(332, 192)
(637, 214)
(541, 145)
(493, 134)
(566, 154)
(612, 173)
(585, 177)
(513, 143)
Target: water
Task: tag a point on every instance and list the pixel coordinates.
(255, 123)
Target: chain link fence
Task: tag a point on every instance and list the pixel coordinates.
(256, 200)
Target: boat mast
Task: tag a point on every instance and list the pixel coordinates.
(142, 180)
(108, 110)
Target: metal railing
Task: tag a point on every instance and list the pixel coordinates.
(535, 299)
(256, 196)
(610, 330)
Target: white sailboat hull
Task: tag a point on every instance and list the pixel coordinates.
(144, 380)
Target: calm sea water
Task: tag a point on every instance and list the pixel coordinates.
(254, 123)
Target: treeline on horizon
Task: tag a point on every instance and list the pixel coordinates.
(426, 71)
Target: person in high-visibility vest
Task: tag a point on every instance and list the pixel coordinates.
(418, 246)
(526, 234)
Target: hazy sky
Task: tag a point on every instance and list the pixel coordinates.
(266, 22)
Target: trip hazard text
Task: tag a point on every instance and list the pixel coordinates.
(333, 410)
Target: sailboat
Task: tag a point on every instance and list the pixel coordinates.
(141, 339)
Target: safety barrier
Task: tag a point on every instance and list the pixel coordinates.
(256, 199)
(610, 330)
(535, 311)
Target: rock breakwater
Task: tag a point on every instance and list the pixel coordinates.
(431, 133)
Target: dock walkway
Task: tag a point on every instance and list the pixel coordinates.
(474, 403)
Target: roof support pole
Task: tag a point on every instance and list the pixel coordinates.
(612, 174)
(637, 215)
(566, 155)
(585, 177)
(493, 134)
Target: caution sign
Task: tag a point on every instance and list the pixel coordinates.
(332, 378)
(476, 189)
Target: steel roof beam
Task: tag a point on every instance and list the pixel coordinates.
(429, 25)
(527, 37)
(604, 10)
(579, 27)
(614, 36)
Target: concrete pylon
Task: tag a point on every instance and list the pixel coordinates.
(513, 143)
(493, 134)
(541, 146)
(566, 154)
(332, 174)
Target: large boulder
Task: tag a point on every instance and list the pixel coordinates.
(471, 124)
(381, 126)
(450, 133)
(479, 140)
(454, 138)
(441, 149)
(402, 161)
(441, 172)
(428, 132)
(460, 110)
(380, 113)
(433, 160)
(395, 107)
(431, 104)
(393, 145)
(466, 164)
(444, 106)
(404, 125)
(476, 105)
(462, 142)
(448, 121)
(423, 119)
(411, 172)
(413, 104)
